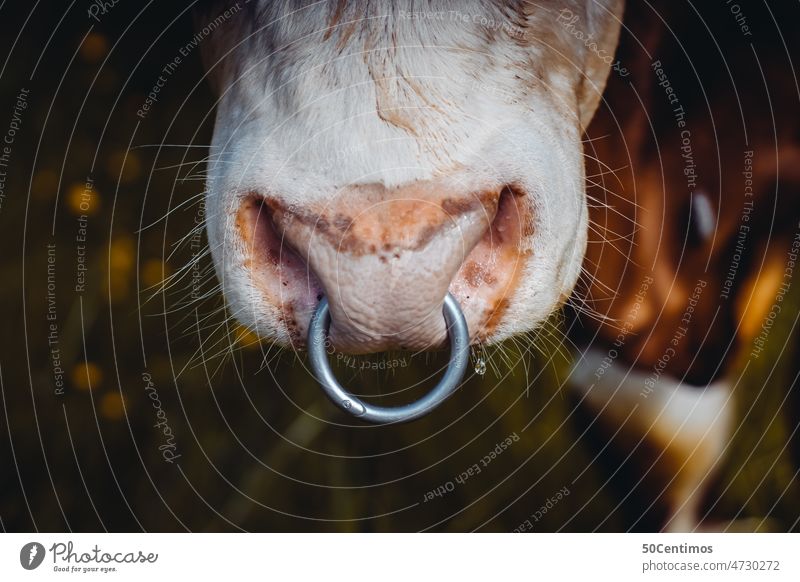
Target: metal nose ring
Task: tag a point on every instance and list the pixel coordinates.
(459, 356)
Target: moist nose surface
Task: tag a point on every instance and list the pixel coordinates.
(386, 260)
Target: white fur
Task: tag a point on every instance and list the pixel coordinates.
(401, 100)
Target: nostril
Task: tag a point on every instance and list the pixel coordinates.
(276, 269)
(508, 225)
(490, 273)
(264, 241)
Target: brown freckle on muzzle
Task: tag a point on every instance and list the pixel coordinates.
(476, 275)
(472, 274)
(455, 207)
(407, 223)
(342, 222)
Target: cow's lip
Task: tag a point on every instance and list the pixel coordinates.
(483, 285)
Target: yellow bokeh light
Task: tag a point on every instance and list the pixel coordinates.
(112, 406)
(94, 47)
(245, 337)
(124, 166)
(45, 183)
(121, 259)
(82, 200)
(87, 376)
(153, 273)
(121, 254)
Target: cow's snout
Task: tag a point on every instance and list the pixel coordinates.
(385, 259)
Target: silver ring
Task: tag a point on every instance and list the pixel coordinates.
(459, 356)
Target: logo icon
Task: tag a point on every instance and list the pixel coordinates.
(31, 555)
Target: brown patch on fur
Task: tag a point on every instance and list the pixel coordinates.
(335, 18)
(408, 224)
(420, 91)
(455, 207)
(346, 32)
(427, 234)
(495, 315)
(342, 222)
(388, 106)
(392, 116)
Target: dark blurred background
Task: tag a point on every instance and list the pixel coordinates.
(92, 339)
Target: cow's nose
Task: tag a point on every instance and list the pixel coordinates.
(386, 257)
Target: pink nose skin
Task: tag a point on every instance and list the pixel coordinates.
(386, 258)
